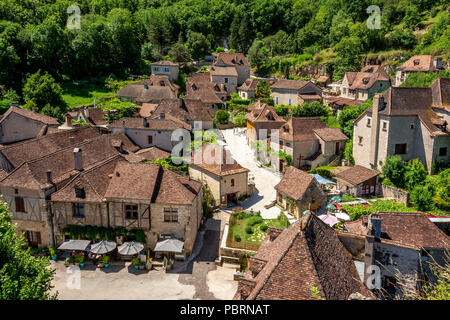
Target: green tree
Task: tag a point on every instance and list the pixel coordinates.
(258, 54)
(179, 53)
(348, 151)
(422, 197)
(198, 45)
(6, 99)
(282, 109)
(222, 117)
(43, 93)
(312, 109)
(346, 118)
(402, 39)
(263, 90)
(394, 170)
(348, 51)
(23, 277)
(415, 174)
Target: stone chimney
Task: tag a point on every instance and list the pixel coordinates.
(78, 159)
(378, 104)
(145, 123)
(437, 62)
(49, 176)
(71, 141)
(375, 225)
(68, 120)
(86, 112)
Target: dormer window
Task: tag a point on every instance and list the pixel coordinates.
(79, 192)
(368, 122)
(270, 116)
(286, 129)
(162, 83)
(416, 62)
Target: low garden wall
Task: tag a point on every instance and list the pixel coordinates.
(225, 126)
(399, 195)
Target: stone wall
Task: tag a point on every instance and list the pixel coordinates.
(354, 244)
(401, 196)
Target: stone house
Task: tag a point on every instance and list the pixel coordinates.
(150, 132)
(227, 77)
(27, 188)
(166, 68)
(291, 262)
(299, 191)
(402, 245)
(12, 156)
(365, 84)
(294, 92)
(440, 90)
(247, 90)
(200, 87)
(152, 90)
(358, 181)
(262, 121)
(424, 63)
(116, 193)
(401, 122)
(227, 179)
(18, 124)
(191, 111)
(237, 61)
(323, 81)
(92, 116)
(309, 143)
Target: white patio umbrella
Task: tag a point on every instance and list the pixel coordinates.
(169, 245)
(103, 247)
(330, 220)
(130, 248)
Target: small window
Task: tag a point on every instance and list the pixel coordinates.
(384, 126)
(170, 215)
(276, 100)
(131, 211)
(290, 101)
(150, 139)
(400, 148)
(226, 80)
(232, 182)
(443, 151)
(20, 204)
(288, 144)
(360, 140)
(368, 122)
(411, 125)
(78, 210)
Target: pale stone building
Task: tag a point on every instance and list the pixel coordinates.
(440, 89)
(294, 92)
(248, 89)
(365, 84)
(227, 77)
(237, 61)
(401, 122)
(18, 124)
(357, 181)
(166, 68)
(424, 63)
(299, 191)
(152, 90)
(211, 94)
(214, 166)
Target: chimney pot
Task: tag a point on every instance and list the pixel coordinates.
(78, 159)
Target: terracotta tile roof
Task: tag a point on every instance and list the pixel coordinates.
(407, 101)
(262, 112)
(206, 91)
(344, 101)
(367, 77)
(357, 174)
(156, 94)
(199, 77)
(310, 97)
(144, 181)
(167, 124)
(440, 89)
(89, 185)
(289, 84)
(95, 116)
(3, 174)
(249, 85)
(294, 183)
(357, 226)
(330, 134)
(20, 152)
(32, 174)
(232, 59)
(307, 254)
(419, 63)
(301, 129)
(217, 160)
(224, 71)
(184, 110)
(154, 89)
(31, 115)
(322, 79)
(165, 63)
(147, 109)
(153, 153)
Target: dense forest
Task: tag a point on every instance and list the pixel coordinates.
(121, 37)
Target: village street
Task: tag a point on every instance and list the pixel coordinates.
(265, 179)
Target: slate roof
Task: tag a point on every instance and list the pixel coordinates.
(294, 183)
(301, 129)
(291, 262)
(232, 59)
(425, 64)
(31, 115)
(32, 174)
(357, 174)
(330, 134)
(216, 159)
(262, 112)
(20, 152)
(144, 181)
(406, 228)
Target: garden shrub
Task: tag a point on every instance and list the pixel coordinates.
(237, 238)
(248, 229)
(264, 228)
(255, 220)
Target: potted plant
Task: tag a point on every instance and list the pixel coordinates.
(53, 253)
(135, 262)
(105, 261)
(79, 258)
(69, 261)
